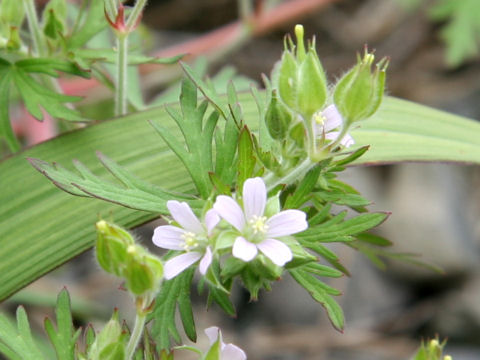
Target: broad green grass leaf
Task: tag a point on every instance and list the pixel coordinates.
(5, 127)
(110, 56)
(42, 227)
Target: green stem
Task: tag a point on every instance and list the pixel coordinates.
(135, 14)
(292, 175)
(136, 334)
(36, 32)
(122, 65)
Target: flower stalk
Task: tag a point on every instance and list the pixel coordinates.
(33, 24)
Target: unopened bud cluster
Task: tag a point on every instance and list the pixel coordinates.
(301, 95)
(118, 254)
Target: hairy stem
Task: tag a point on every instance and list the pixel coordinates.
(136, 13)
(136, 334)
(121, 86)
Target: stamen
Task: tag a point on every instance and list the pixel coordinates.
(319, 118)
(258, 224)
(190, 241)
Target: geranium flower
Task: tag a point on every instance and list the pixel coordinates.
(258, 232)
(191, 237)
(326, 121)
(227, 351)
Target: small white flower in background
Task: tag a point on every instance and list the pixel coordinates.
(227, 351)
(326, 121)
(191, 237)
(258, 232)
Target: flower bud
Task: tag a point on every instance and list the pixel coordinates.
(277, 118)
(312, 85)
(143, 272)
(110, 342)
(287, 79)
(359, 93)
(111, 247)
(301, 80)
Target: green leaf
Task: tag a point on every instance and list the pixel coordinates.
(17, 342)
(134, 193)
(404, 131)
(303, 191)
(65, 337)
(176, 290)
(246, 159)
(320, 293)
(89, 22)
(196, 152)
(110, 56)
(328, 232)
(461, 32)
(41, 227)
(5, 128)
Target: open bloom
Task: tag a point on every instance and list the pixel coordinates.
(326, 123)
(227, 351)
(191, 237)
(256, 231)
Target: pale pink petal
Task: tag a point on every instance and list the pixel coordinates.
(168, 237)
(206, 261)
(332, 135)
(286, 222)
(276, 251)
(347, 141)
(232, 352)
(228, 209)
(333, 119)
(243, 249)
(254, 197)
(176, 265)
(183, 214)
(212, 334)
(211, 220)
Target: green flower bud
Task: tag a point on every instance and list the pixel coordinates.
(143, 272)
(301, 80)
(312, 85)
(359, 93)
(111, 247)
(287, 79)
(110, 342)
(277, 118)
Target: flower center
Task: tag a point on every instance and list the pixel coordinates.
(190, 240)
(258, 224)
(319, 118)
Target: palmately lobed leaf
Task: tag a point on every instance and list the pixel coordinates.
(42, 227)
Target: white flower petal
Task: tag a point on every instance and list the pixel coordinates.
(332, 135)
(254, 197)
(211, 220)
(244, 249)
(286, 222)
(276, 251)
(168, 237)
(347, 141)
(232, 352)
(228, 209)
(183, 214)
(176, 265)
(333, 118)
(206, 261)
(212, 334)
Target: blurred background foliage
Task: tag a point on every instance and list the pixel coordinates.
(434, 50)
